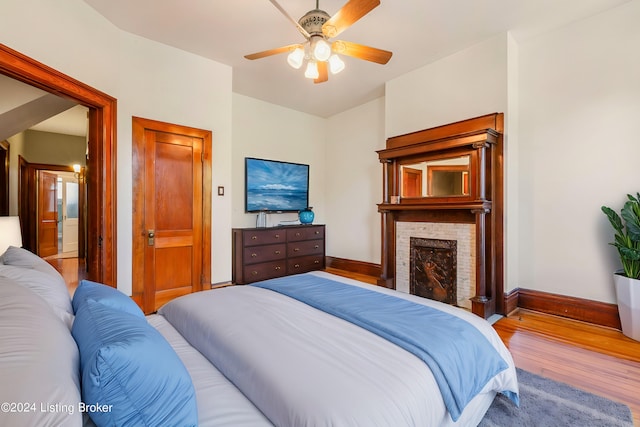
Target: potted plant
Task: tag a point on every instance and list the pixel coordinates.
(627, 281)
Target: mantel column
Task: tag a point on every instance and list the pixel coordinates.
(482, 304)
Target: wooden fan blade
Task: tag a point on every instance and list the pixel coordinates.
(270, 52)
(361, 52)
(323, 72)
(284, 12)
(345, 17)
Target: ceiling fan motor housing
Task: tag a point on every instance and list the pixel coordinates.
(313, 21)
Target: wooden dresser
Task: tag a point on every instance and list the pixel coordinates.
(265, 253)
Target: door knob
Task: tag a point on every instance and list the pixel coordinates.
(151, 237)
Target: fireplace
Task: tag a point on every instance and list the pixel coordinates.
(459, 226)
(433, 269)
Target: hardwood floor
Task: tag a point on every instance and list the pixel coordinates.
(73, 270)
(592, 358)
(589, 357)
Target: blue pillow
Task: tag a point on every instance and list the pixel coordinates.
(130, 371)
(106, 295)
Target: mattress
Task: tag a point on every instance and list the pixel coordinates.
(300, 366)
(219, 402)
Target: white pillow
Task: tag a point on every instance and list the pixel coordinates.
(50, 288)
(39, 362)
(20, 257)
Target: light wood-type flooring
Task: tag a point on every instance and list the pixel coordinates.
(592, 358)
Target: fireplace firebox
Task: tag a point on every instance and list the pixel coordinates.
(433, 269)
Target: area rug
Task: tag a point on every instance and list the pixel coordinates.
(548, 403)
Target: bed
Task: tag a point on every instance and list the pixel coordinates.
(236, 356)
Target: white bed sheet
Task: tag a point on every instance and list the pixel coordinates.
(303, 367)
(219, 402)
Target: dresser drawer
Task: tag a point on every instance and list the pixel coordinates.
(304, 264)
(305, 233)
(264, 271)
(257, 254)
(307, 247)
(264, 237)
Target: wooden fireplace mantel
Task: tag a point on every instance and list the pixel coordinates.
(481, 141)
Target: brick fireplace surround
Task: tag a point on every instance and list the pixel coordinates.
(474, 219)
(463, 235)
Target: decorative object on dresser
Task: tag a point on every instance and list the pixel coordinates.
(306, 215)
(260, 254)
(446, 183)
(627, 281)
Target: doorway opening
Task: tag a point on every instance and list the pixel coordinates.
(101, 167)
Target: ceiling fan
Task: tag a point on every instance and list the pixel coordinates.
(320, 54)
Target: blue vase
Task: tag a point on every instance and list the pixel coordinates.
(306, 216)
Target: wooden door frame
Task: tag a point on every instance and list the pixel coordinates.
(27, 203)
(4, 177)
(101, 165)
(139, 125)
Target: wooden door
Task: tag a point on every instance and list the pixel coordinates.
(47, 214)
(411, 182)
(171, 251)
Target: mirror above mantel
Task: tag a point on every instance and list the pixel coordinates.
(446, 177)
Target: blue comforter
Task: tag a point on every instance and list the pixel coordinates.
(461, 366)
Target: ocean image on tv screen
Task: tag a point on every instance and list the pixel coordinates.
(276, 186)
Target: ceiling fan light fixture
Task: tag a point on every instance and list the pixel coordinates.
(296, 58)
(336, 64)
(312, 70)
(320, 48)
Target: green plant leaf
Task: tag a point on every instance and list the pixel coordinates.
(631, 254)
(614, 219)
(631, 217)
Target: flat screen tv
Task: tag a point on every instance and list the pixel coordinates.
(275, 186)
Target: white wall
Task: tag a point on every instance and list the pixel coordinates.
(268, 131)
(579, 149)
(467, 84)
(149, 80)
(354, 182)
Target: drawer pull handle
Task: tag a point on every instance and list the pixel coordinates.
(277, 252)
(316, 246)
(296, 249)
(297, 266)
(254, 255)
(316, 262)
(297, 234)
(254, 237)
(255, 273)
(317, 232)
(277, 267)
(277, 236)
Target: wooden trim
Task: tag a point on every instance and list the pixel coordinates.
(5, 156)
(489, 121)
(510, 302)
(101, 165)
(596, 312)
(360, 267)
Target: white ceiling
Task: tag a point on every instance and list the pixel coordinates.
(15, 94)
(416, 31)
